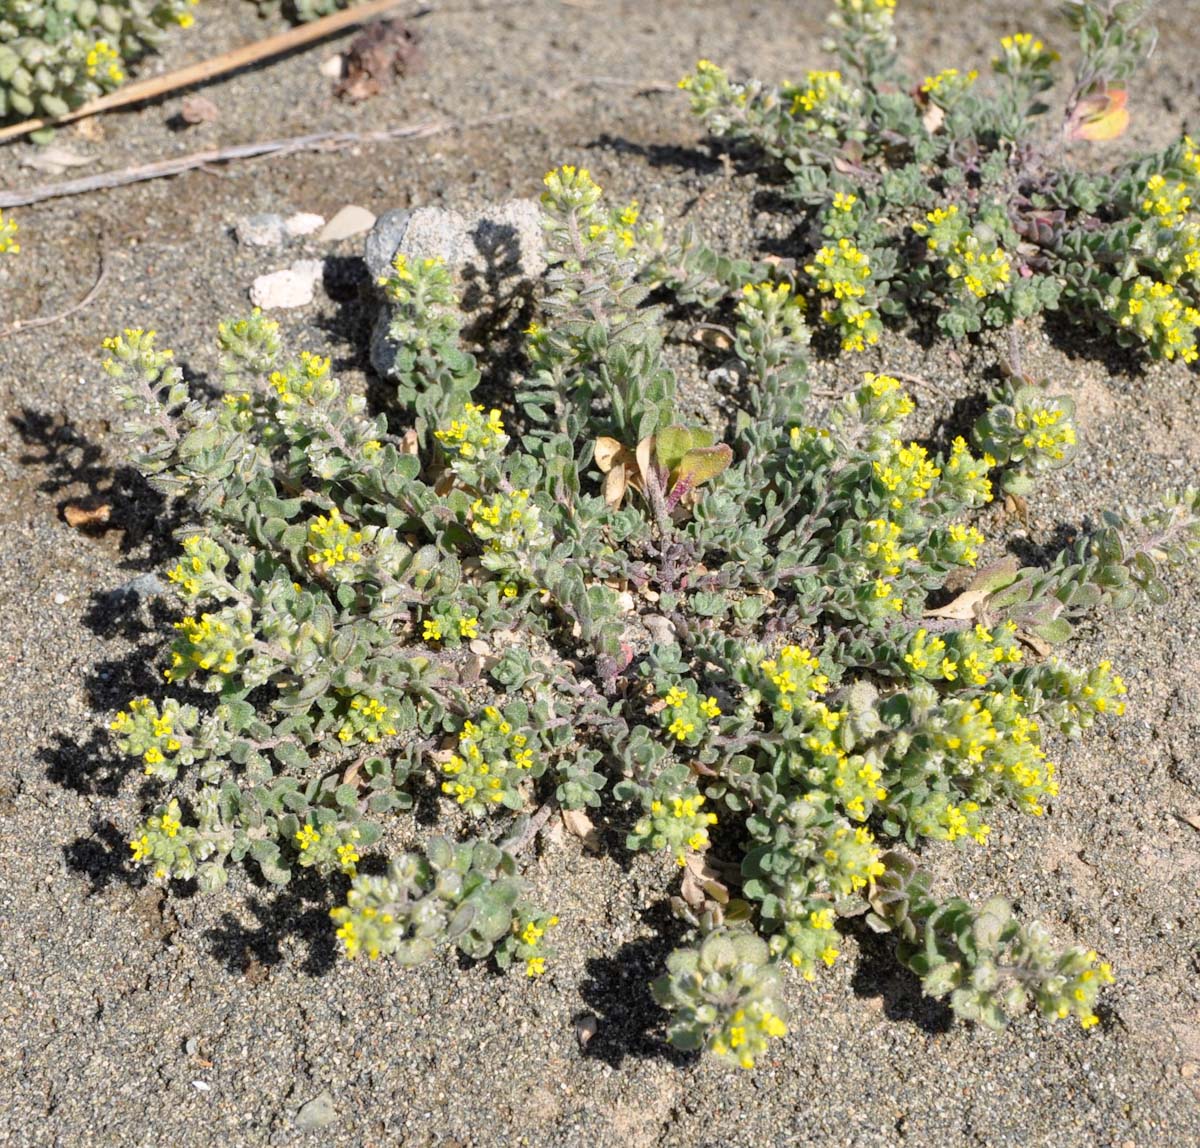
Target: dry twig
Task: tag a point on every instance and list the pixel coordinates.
(22, 325)
(320, 141)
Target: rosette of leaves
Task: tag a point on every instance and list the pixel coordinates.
(741, 648)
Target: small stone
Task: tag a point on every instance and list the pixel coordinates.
(292, 287)
(317, 1112)
(197, 109)
(351, 220)
(303, 223)
(586, 1027)
(334, 67)
(429, 233)
(662, 630)
(625, 602)
(1189, 1069)
(266, 230)
(201, 1086)
(191, 1045)
(61, 599)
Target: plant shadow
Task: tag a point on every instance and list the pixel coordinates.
(299, 911)
(879, 975)
(113, 498)
(617, 990)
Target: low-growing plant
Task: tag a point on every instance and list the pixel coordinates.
(58, 54)
(950, 197)
(717, 636)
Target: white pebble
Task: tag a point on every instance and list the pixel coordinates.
(303, 223)
(351, 220)
(292, 287)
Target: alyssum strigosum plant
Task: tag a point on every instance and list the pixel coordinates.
(722, 629)
(951, 196)
(58, 54)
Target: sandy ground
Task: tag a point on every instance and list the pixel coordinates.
(130, 1017)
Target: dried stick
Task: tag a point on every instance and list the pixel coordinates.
(22, 325)
(533, 827)
(321, 141)
(247, 54)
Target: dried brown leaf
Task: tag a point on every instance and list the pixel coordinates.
(382, 50)
(580, 825)
(606, 452)
(199, 110)
(964, 608)
(701, 882)
(615, 485)
(83, 517)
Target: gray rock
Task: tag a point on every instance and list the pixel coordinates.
(497, 253)
(502, 241)
(384, 241)
(265, 230)
(317, 1112)
(351, 220)
(662, 630)
(292, 287)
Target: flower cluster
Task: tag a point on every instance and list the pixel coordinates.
(674, 820)
(842, 273)
(1158, 314)
(202, 568)
(165, 844)
(332, 541)
(823, 101)
(448, 625)
(8, 232)
(326, 845)
(980, 265)
(947, 87)
(211, 642)
(475, 438)
(723, 996)
(1021, 53)
(367, 719)
(530, 929)
(491, 764)
(161, 737)
(512, 532)
(686, 714)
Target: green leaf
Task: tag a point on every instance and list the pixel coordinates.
(671, 444)
(703, 463)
